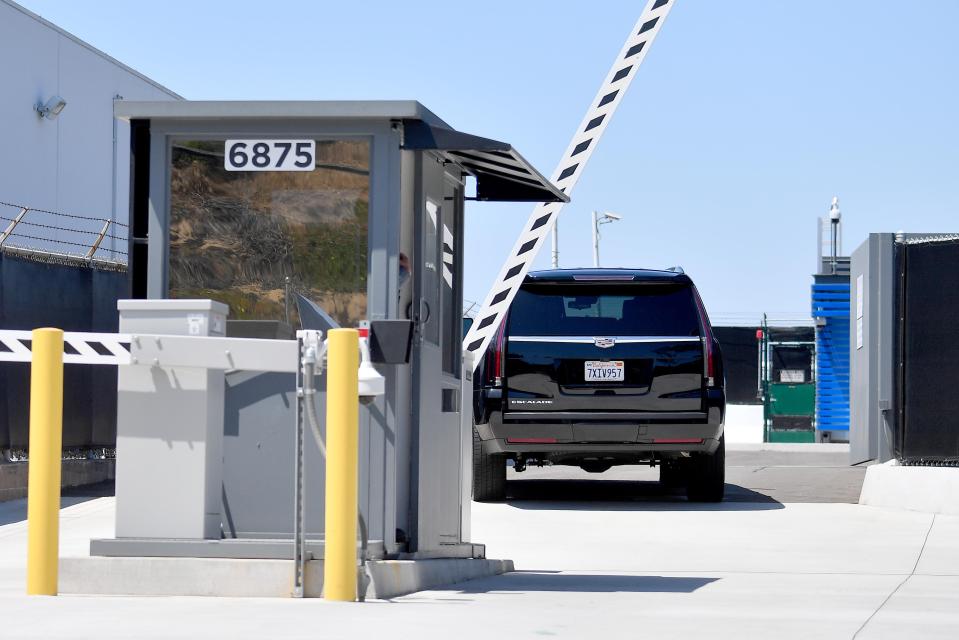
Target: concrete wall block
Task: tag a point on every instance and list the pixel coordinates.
(73, 473)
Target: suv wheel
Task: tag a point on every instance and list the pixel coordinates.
(489, 473)
(707, 477)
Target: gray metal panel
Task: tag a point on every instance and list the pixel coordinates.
(862, 434)
(436, 440)
(277, 110)
(871, 367)
(883, 327)
(378, 420)
(169, 437)
(258, 451)
(401, 404)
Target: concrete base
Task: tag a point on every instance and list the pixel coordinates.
(256, 578)
(73, 473)
(248, 549)
(927, 489)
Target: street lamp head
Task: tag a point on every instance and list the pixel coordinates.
(612, 216)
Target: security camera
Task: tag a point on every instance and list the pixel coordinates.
(613, 216)
(834, 214)
(51, 108)
(371, 383)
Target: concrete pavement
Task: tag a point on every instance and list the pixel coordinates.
(650, 566)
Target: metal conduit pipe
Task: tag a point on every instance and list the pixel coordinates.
(312, 366)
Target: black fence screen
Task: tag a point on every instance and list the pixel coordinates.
(928, 385)
(73, 298)
(740, 348)
(741, 363)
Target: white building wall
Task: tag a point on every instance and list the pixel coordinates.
(68, 164)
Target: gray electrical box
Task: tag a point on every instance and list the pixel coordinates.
(169, 429)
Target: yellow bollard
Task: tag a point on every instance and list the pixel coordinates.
(46, 437)
(342, 453)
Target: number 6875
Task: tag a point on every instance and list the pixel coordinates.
(269, 155)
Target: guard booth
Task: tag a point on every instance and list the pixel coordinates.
(309, 215)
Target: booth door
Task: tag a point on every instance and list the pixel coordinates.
(436, 410)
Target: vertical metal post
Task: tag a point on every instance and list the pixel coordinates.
(46, 437)
(832, 246)
(819, 223)
(96, 243)
(299, 545)
(556, 244)
(765, 381)
(286, 299)
(342, 452)
(759, 364)
(13, 225)
(595, 221)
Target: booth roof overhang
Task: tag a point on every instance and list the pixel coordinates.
(501, 173)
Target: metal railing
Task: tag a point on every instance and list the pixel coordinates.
(40, 230)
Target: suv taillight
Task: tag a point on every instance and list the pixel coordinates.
(708, 339)
(496, 373)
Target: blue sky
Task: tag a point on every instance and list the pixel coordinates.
(744, 121)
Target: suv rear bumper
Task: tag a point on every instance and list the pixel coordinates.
(607, 433)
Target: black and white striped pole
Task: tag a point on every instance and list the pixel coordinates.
(571, 166)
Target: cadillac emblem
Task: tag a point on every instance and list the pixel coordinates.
(604, 343)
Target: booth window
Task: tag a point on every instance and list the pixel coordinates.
(253, 239)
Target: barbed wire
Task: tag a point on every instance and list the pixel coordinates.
(65, 215)
(56, 228)
(15, 240)
(939, 237)
(67, 242)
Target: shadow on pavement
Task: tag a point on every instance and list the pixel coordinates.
(526, 581)
(16, 510)
(626, 495)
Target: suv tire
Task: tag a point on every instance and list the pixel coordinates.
(707, 477)
(489, 473)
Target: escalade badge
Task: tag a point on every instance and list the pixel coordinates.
(604, 343)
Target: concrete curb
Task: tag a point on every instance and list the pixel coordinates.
(792, 447)
(927, 489)
(392, 578)
(255, 578)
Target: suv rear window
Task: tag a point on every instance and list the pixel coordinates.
(598, 310)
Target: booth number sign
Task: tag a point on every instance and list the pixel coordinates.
(269, 155)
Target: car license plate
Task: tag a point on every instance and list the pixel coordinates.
(604, 371)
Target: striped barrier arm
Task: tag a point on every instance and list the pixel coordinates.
(78, 347)
(571, 166)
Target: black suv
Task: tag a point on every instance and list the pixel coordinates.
(601, 367)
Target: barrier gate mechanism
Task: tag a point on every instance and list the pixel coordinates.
(304, 357)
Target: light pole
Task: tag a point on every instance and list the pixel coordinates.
(834, 217)
(556, 244)
(598, 219)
